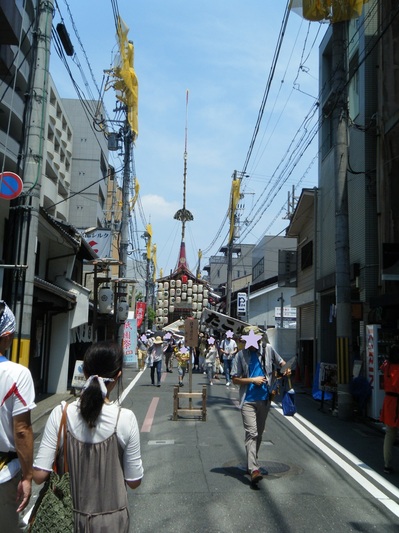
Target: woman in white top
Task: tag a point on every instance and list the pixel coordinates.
(210, 359)
(103, 446)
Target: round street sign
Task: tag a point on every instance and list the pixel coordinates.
(10, 185)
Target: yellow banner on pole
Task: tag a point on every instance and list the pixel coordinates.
(235, 196)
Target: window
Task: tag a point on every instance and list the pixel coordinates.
(353, 96)
(307, 255)
(258, 269)
(101, 199)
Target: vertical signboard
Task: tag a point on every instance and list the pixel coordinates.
(129, 343)
(241, 303)
(191, 332)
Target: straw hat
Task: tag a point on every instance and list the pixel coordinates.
(158, 340)
(255, 329)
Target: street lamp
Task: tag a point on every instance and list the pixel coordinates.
(100, 264)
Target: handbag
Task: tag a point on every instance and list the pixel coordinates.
(53, 510)
(288, 401)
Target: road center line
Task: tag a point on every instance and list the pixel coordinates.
(149, 417)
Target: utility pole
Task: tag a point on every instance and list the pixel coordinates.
(27, 210)
(234, 197)
(147, 237)
(229, 280)
(124, 231)
(342, 260)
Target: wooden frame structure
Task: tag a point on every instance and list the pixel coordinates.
(194, 412)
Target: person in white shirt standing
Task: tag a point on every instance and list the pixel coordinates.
(228, 349)
(17, 395)
(103, 446)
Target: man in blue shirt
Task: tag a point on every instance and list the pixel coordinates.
(253, 372)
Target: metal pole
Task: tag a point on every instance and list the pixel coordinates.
(249, 291)
(281, 299)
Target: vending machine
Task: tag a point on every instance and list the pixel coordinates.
(378, 342)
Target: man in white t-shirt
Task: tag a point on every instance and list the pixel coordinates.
(17, 395)
(228, 349)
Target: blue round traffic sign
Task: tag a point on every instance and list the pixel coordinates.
(10, 185)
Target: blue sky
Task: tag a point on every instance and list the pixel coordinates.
(221, 52)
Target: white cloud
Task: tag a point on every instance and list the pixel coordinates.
(157, 208)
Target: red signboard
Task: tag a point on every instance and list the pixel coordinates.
(140, 313)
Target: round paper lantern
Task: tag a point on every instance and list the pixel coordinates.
(172, 283)
(184, 296)
(123, 311)
(195, 288)
(190, 283)
(178, 283)
(105, 299)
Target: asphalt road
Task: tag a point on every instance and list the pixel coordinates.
(324, 474)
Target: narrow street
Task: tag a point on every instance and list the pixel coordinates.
(323, 474)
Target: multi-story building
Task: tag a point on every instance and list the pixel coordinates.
(373, 244)
(16, 55)
(42, 254)
(241, 267)
(265, 294)
(361, 185)
(56, 181)
(90, 169)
